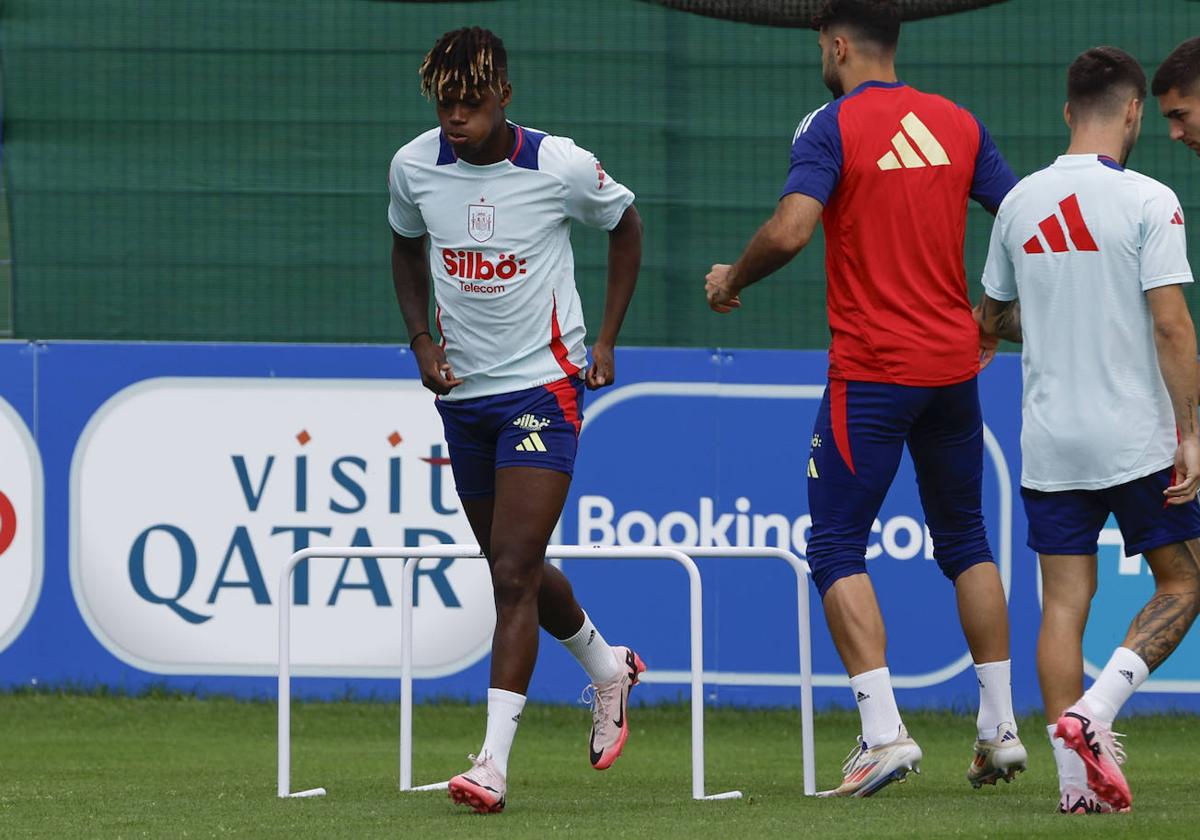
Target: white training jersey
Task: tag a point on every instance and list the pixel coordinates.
(500, 253)
(1080, 243)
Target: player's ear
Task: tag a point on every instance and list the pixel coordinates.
(505, 94)
(1067, 114)
(1133, 113)
(841, 48)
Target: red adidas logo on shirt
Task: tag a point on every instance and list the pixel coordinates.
(1177, 219)
(1052, 231)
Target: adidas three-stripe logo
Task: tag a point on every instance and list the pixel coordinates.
(904, 156)
(1052, 231)
(533, 443)
(1177, 219)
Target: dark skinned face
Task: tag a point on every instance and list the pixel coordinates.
(474, 123)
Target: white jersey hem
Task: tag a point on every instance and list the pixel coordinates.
(1098, 484)
(503, 386)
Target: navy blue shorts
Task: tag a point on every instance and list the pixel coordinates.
(860, 434)
(536, 427)
(1070, 521)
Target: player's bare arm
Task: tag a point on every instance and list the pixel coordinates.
(1000, 318)
(624, 260)
(1175, 341)
(410, 278)
(776, 243)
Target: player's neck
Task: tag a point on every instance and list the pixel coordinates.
(881, 71)
(1098, 139)
(496, 148)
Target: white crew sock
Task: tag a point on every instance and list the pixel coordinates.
(504, 713)
(1070, 766)
(876, 706)
(593, 653)
(995, 698)
(1123, 675)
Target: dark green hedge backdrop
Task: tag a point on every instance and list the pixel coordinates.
(215, 169)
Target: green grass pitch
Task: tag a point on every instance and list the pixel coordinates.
(174, 766)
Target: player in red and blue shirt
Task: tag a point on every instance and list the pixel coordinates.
(888, 170)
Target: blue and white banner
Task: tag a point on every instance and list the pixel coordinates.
(151, 493)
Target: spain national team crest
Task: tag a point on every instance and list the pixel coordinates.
(481, 221)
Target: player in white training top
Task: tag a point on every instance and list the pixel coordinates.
(485, 206)
(1097, 257)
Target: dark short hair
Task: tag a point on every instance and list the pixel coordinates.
(1181, 70)
(1101, 80)
(877, 21)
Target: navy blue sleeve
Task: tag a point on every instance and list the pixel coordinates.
(993, 177)
(816, 165)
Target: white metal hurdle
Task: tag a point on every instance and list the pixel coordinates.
(695, 674)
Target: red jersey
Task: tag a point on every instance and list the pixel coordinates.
(894, 168)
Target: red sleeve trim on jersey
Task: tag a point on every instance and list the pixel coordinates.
(560, 351)
(837, 418)
(520, 141)
(437, 319)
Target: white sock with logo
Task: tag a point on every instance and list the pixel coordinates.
(876, 706)
(593, 653)
(504, 713)
(1123, 675)
(995, 698)
(1070, 766)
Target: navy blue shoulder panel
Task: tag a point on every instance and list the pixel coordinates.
(525, 150)
(445, 151)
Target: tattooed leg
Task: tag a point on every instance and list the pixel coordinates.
(1161, 625)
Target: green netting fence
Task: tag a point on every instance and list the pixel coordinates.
(215, 169)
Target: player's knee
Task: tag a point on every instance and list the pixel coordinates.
(515, 577)
(1066, 598)
(828, 570)
(953, 567)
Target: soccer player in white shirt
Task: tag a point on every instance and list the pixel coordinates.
(1097, 257)
(485, 206)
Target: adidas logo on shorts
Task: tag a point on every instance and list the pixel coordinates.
(530, 423)
(532, 443)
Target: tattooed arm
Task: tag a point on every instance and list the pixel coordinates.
(1000, 318)
(1175, 340)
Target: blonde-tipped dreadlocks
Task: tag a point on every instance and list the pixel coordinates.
(467, 59)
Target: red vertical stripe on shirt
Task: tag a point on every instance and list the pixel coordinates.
(837, 417)
(568, 400)
(560, 351)
(1080, 235)
(1051, 228)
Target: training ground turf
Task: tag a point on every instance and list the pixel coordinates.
(171, 766)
